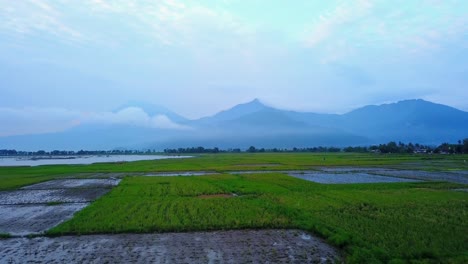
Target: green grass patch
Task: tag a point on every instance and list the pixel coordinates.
(371, 222)
(4, 236)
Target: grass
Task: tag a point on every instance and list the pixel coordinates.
(388, 222)
(4, 236)
(15, 177)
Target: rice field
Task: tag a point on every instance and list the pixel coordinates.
(377, 222)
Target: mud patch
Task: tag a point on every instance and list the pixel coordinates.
(241, 246)
(36, 208)
(20, 220)
(74, 183)
(20, 197)
(455, 177)
(354, 177)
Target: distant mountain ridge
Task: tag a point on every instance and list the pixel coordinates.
(254, 123)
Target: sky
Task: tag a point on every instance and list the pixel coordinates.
(65, 62)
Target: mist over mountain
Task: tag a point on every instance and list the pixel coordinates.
(257, 124)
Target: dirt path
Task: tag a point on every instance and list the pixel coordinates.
(241, 246)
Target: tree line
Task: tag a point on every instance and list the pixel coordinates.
(390, 147)
(461, 147)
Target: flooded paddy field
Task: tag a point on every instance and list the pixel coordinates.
(239, 246)
(36, 208)
(22, 220)
(73, 183)
(355, 177)
(330, 175)
(450, 176)
(69, 195)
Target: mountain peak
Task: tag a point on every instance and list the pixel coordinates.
(255, 101)
(238, 111)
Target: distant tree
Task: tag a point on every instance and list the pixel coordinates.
(251, 149)
(465, 145)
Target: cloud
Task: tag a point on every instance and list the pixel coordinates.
(171, 22)
(22, 121)
(369, 27)
(33, 17)
(32, 120)
(331, 22)
(133, 116)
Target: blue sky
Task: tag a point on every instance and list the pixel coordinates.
(63, 60)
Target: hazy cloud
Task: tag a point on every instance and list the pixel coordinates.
(331, 22)
(132, 116)
(47, 120)
(34, 17)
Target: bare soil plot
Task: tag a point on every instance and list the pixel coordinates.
(352, 177)
(74, 183)
(50, 196)
(21, 220)
(241, 246)
(452, 176)
(36, 208)
(425, 175)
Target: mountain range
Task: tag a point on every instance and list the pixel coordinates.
(259, 125)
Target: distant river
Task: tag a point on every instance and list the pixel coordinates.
(65, 160)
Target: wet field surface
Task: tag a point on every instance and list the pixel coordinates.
(22, 220)
(36, 208)
(74, 183)
(329, 175)
(345, 175)
(240, 246)
(450, 176)
(356, 177)
(20, 197)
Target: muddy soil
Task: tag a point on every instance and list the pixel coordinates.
(352, 177)
(457, 177)
(74, 183)
(50, 196)
(21, 220)
(427, 176)
(36, 208)
(241, 246)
